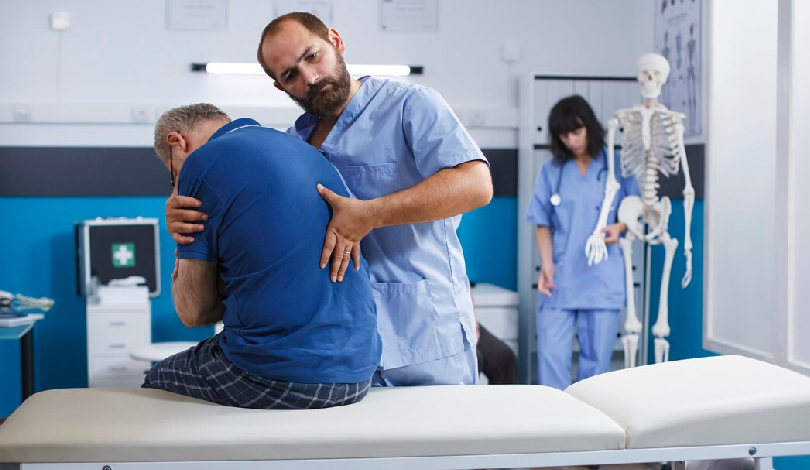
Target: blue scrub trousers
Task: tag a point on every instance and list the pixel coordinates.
(596, 331)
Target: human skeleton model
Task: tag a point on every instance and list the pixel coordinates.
(653, 143)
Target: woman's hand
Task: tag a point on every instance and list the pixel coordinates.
(545, 284)
(613, 232)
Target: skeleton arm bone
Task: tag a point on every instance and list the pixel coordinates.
(688, 204)
(595, 247)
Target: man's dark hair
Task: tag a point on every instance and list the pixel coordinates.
(307, 20)
(569, 114)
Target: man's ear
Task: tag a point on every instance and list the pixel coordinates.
(334, 36)
(277, 85)
(178, 140)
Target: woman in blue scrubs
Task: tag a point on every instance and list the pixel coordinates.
(565, 207)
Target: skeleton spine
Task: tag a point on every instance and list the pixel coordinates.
(649, 180)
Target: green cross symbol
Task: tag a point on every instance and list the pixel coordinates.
(123, 255)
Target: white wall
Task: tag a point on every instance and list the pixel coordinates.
(117, 55)
(741, 144)
(799, 352)
(757, 301)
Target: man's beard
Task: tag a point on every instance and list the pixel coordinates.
(322, 103)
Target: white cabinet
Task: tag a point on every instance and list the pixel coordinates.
(118, 319)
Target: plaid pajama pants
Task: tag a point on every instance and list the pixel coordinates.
(204, 372)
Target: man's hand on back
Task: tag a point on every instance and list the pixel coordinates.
(352, 219)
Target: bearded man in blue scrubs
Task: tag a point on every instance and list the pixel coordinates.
(413, 169)
(291, 338)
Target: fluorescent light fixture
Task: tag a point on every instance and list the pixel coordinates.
(242, 68)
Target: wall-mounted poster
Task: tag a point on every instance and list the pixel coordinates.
(410, 16)
(678, 37)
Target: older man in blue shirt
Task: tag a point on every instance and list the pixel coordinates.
(291, 338)
(414, 169)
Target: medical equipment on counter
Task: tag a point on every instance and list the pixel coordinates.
(16, 309)
(21, 303)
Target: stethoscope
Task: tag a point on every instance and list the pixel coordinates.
(555, 198)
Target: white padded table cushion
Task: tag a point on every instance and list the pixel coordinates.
(96, 425)
(702, 402)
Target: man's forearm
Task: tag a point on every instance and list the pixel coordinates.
(447, 193)
(196, 294)
(191, 312)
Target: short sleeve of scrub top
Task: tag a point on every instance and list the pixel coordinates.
(434, 133)
(539, 211)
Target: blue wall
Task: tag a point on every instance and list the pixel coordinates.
(37, 249)
(489, 238)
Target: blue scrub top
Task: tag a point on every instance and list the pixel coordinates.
(579, 286)
(392, 136)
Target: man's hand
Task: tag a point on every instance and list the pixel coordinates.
(180, 218)
(545, 284)
(352, 219)
(613, 232)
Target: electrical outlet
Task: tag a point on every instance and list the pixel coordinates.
(510, 51)
(60, 20)
(477, 117)
(21, 113)
(140, 114)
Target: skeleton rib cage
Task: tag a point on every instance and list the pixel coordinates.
(645, 159)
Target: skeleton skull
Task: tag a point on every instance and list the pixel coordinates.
(653, 71)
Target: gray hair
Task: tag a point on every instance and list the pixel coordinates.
(183, 119)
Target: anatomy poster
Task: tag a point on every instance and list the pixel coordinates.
(678, 37)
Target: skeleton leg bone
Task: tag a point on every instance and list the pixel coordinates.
(630, 211)
(632, 326)
(661, 328)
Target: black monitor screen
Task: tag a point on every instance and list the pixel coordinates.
(120, 251)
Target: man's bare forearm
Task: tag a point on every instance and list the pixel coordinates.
(196, 294)
(449, 192)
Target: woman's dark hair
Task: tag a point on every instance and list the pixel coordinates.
(569, 114)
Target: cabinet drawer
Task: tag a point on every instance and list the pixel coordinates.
(116, 335)
(117, 346)
(121, 365)
(111, 323)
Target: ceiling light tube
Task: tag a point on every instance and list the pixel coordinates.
(243, 68)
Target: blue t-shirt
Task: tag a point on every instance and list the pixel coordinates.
(284, 319)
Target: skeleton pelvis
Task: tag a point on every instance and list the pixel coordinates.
(634, 214)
